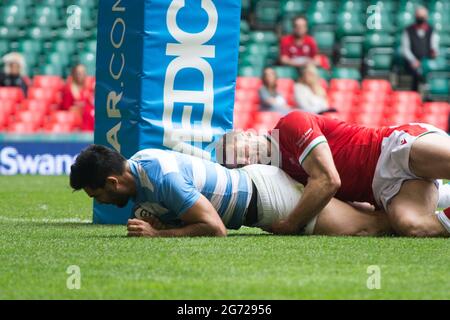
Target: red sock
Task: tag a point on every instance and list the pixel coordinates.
(447, 212)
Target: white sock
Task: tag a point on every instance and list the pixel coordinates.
(444, 195)
(444, 220)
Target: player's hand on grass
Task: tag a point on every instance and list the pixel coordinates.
(284, 227)
(155, 223)
(140, 228)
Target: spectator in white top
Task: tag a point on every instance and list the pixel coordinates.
(419, 41)
(270, 98)
(310, 95)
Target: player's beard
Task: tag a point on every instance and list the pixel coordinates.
(121, 200)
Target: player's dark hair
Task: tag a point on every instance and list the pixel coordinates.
(94, 165)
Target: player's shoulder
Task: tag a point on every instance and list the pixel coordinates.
(157, 161)
(297, 118)
(287, 39)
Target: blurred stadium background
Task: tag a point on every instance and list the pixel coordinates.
(374, 97)
(366, 82)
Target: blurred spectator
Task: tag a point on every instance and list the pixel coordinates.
(419, 41)
(299, 48)
(78, 97)
(309, 93)
(270, 98)
(76, 93)
(14, 72)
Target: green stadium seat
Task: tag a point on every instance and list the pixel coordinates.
(50, 70)
(325, 40)
(433, 66)
(88, 59)
(258, 49)
(349, 28)
(4, 47)
(249, 71)
(286, 72)
(69, 34)
(245, 28)
(266, 13)
(404, 19)
(385, 5)
(378, 40)
(346, 73)
(321, 5)
(64, 46)
(267, 37)
(46, 17)
(29, 45)
(379, 62)
(40, 33)
(13, 15)
(10, 33)
(256, 61)
(292, 8)
(90, 46)
(318, 18)
(246, 7)
(58, 58)
(53, 3)
(438, 87)
(351, 49)
(83, 3)
(352, 6)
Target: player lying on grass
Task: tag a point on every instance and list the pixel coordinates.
(196, 197)
(393, 168)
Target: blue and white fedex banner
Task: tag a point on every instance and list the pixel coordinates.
(166, 72)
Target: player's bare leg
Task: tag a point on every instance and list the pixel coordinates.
(412, 211)
(341, 219)
(430, 157)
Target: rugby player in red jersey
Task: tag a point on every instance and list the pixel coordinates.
(392, 168)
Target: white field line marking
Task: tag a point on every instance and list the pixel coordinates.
(45, 220)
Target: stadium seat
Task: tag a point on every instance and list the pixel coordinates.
(292, 8)
(31, 117)
(378, 40)
(250, 71)
(286, 72)
(346, 73)
(266, 14)
(439, 108)
(43, 94)
(265, 37)
(247, 96)
(37, 106)
(53, 82)
(59, 128)
(66, 117)
(435, 66)
(90, 83)
(8, 107)
(344, 85)
(21, 128)
(438, 88)
(406, 97)
(376, 85)
(248, 83)
(11, 93)
(325, 40)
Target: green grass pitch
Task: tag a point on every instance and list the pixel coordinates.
(38, 242)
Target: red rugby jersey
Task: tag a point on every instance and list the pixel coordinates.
(355, 150)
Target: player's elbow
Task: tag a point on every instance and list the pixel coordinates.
(332, 183)
(218, 230)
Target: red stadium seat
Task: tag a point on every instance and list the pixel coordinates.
(59, 128)
(22, 128)
(441, 108)
(34, 118)
(54, 82)
(11, 93)
(406, 97)
(403, 108)
(247, 96)
(436, 120)
(4, 120)
(245, 83)
(8, 107)
(395, 119)
(371, 107)
(39, 106)
(45, 94)
(344, 85)
(265, 121)
(374, 97)
(66, 117)
(244, 107)
(242, 120)
(371, 85)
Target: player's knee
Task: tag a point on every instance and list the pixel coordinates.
(412, 226)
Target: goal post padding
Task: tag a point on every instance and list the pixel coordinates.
(166, 74)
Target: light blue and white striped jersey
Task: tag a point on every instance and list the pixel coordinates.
(169, 183)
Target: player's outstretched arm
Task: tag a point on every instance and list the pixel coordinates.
(323, 183)
(201, 220)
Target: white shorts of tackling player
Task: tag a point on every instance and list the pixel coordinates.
(278, 194)
(393, 166)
